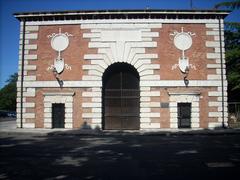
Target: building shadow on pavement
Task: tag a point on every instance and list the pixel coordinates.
(111, 155)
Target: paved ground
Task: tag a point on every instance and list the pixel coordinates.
(71, 156)
(7, 123)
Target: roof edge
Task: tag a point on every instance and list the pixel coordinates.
(37, 14)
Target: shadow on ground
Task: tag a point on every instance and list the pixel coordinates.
(72, 155)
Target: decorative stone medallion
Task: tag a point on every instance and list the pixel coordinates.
(183, 41)
(59, 43)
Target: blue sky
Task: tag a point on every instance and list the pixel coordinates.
(9, 26)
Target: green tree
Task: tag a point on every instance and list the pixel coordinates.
(232, 41)
(232, 45)
(8, 94)
(228, 4)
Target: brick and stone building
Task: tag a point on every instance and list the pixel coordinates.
(126, 69)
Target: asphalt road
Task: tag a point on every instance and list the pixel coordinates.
(26, 156)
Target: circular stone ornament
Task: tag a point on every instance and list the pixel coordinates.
(60, 42)
(183, 41)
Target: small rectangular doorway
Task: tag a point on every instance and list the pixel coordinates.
(58, 115)
(184, 115)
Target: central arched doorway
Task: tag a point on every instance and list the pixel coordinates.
(121, 98)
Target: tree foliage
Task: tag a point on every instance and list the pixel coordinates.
(229, 4)
(8, 94)
(232, 45)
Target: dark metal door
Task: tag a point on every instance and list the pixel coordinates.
(58, 115)
(184, 115)
(121, 100)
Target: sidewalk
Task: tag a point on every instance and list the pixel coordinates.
(9, 127)
(82, 132)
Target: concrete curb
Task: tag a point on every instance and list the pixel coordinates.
(90, 132)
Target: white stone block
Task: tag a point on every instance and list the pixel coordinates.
(214, 103)
(68, 105)
(91, 78)
(220, 72)
(93, 56)
(32, 28)
(174, 125)
(148, 66)
(214, 114)
(194, 125)
(68, 115)
(213, 77)
(212, 44)
(151, 77)
(95, 73)
(195, 109)
(47, 110)
(150, 125)
(144, 104)
(47, 104)
(18, 100)
(93, 105)
(145, 120)
(155, 104)
(31, 36)
(214, 125)
(96, 110)
(173, 110)
(30, 78)
(150, 34)
(214, 93)
(145, 88)
(145, 99)
(68, 125)
(93, 67)
(195, 119)
(213, 66)
(212, 25)
(30, 57)
(213, 55)
(47, 115)
(29, 115)
(68, 110)
(144, 73)
(29, 105)
(26, 42)
(145, 109)
(195, 114)
(212, 33)
(96, 120)
(220, 98)
(174, 114)
(91, 94)
(31, 46)
(98, 45)
(151, 114)
(91, 115)
(101, 63)
(91, 35)
(30, 67)
(149, 93)
(28, 125)
(96, 126)
(68, 120)
(96, 99)
(96, 89)
(47, 120)
(47, 125)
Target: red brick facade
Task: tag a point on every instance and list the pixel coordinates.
(90, 52)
